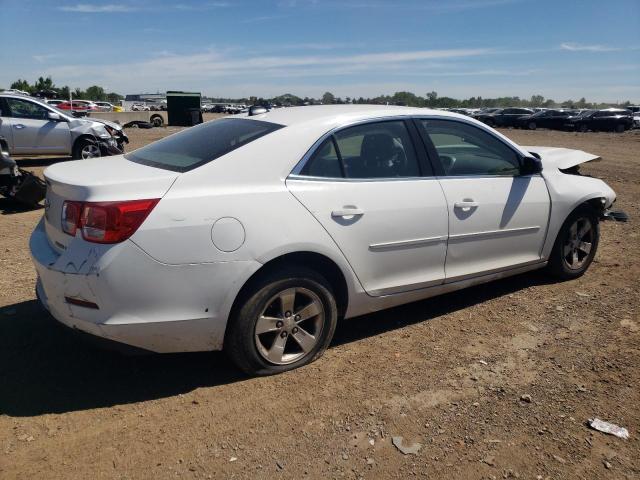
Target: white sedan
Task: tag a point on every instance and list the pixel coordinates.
(256, 234)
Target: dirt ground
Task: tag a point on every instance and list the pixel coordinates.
(494, 382)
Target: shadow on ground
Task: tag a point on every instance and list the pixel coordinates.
(26, 162)
(46, 368)
(9, 207)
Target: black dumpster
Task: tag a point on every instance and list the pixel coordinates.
(183, 109)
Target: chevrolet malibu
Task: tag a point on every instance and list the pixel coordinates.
(256, 234)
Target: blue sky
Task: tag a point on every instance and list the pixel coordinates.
(231, 48)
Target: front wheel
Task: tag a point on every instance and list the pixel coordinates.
(286, 320)
(532, 125)
(583, 128)
(575, 245)
(86, 148)
(620, 128)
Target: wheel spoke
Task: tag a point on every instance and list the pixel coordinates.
(304, 339)
(311, 310)
(585, 247)
(276, 352)
(567, 250)
(573, 231)
(584, 230)
(266, 324)
(287, 301)
(574, 258)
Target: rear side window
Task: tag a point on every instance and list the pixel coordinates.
(198, 145)
(371, 150)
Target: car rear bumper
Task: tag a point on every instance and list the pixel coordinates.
(141, 302)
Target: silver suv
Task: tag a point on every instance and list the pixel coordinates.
(33, 127)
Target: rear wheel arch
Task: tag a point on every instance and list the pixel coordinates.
(317, 262)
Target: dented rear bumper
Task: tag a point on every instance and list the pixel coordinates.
(140, 301)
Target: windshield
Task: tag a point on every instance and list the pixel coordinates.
(198, 145)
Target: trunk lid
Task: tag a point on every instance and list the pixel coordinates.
(98, 180)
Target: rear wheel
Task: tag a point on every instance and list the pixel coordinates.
(576, 244)
(286, 320)
(583, 128)
(532, 125)
(86, 148)
(620, 128)
(157, 120)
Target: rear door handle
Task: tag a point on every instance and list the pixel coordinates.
(466, 204)
(347, 212)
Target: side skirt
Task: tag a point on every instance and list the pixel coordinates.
(366, 304)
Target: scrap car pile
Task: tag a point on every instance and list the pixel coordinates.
(579, 120)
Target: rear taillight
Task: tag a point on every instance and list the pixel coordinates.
(71, 217)
(108, 222)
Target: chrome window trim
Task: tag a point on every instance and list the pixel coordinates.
(356, 180)
(296, 175)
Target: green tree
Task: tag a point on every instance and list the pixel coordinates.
(328, 98)
(95, 93)
(43, 84)
(536, 101)
(432, 99)
(23, 85)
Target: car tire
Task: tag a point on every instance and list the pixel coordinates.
(157, 120)
(583, 128)
(274, 304)
(86, 148)
(570, 256)
(490, 123)
(532, 125)
(620, 128)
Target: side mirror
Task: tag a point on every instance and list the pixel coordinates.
(530, 166)
(53, 116)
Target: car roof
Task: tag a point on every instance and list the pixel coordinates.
(341, 114)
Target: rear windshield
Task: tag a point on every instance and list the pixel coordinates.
(198, 145)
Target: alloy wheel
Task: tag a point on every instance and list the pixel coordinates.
(290, 326)
(90, 151)
(578, 243)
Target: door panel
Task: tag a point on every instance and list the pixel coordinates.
(40, 136)
(33, 132)
(497, 218)
(392, 232)
(505, 226)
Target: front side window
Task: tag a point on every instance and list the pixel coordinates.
(467, 150)
(198, 145)
(25, 109)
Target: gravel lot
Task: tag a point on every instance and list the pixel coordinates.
(494, 382)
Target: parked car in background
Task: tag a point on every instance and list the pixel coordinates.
(610, 119)
(105, 107)
(554, 119)
(54, 102)
(505, 117)
(350, 209)
(139, 107)
(33, 127)
(79, 106)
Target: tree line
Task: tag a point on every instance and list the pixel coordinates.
(431, 99)
(46, 88)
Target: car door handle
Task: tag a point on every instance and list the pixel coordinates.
(465, 204)
(18, 126)
(347, 212)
